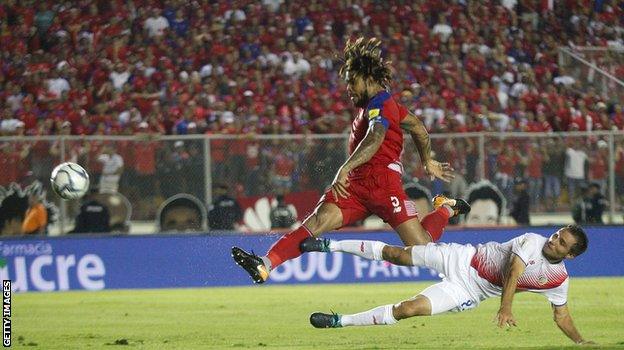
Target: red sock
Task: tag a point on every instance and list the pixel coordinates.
(435, 222)
(287, 247)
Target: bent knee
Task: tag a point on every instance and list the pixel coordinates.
(398, 255)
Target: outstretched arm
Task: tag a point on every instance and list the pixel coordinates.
(564, 322)
(362, 154)
(515, 268)
(415, 127)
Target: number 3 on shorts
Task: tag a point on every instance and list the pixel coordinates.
(396, 204)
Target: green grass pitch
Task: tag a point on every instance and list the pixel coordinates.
(274, 316)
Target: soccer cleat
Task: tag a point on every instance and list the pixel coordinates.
(458, 205)
(252, 264)
(314, 244)
(321, 320)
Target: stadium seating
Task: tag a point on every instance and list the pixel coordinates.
(270, 67)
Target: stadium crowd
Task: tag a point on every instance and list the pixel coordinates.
(270, 67)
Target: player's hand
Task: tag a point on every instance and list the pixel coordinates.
(442, 171)
(340, 184)
(504, 317)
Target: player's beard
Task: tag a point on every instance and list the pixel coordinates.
(549, 253)
(360, 100)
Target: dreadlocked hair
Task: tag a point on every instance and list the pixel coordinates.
(363, 58)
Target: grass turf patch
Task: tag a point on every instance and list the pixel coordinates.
(276, 316)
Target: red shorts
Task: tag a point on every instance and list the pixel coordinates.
(377, 191)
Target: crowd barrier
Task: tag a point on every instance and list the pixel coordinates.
(256, 168)
(173, 261)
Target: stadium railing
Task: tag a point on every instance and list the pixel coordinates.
(595, 68)
(256, 168)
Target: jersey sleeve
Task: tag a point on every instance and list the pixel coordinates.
(375, 116)
(558, 296)
(377, 112)
(524, 246)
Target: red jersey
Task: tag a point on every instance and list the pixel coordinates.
(534, 169)
(10, 172)
(145, 157)
(384, 109)
(506, 164)
(375, 186)
(283, 166)
(598, 167)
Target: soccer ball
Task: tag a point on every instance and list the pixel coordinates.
(69, 180)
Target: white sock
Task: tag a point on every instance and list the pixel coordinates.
(371, 250)
(267, 262)
(381, 315)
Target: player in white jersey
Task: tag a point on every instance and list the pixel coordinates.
(530, 262)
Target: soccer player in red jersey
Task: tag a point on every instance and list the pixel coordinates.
(369, 182)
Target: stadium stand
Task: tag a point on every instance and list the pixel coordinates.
(243, 66)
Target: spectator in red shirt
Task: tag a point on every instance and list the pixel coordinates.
(12, 154)
(282, 171)
(145, 150)
(598, 165)
(505, 173)
(617, 116)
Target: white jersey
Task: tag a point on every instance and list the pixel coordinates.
(540, 276)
